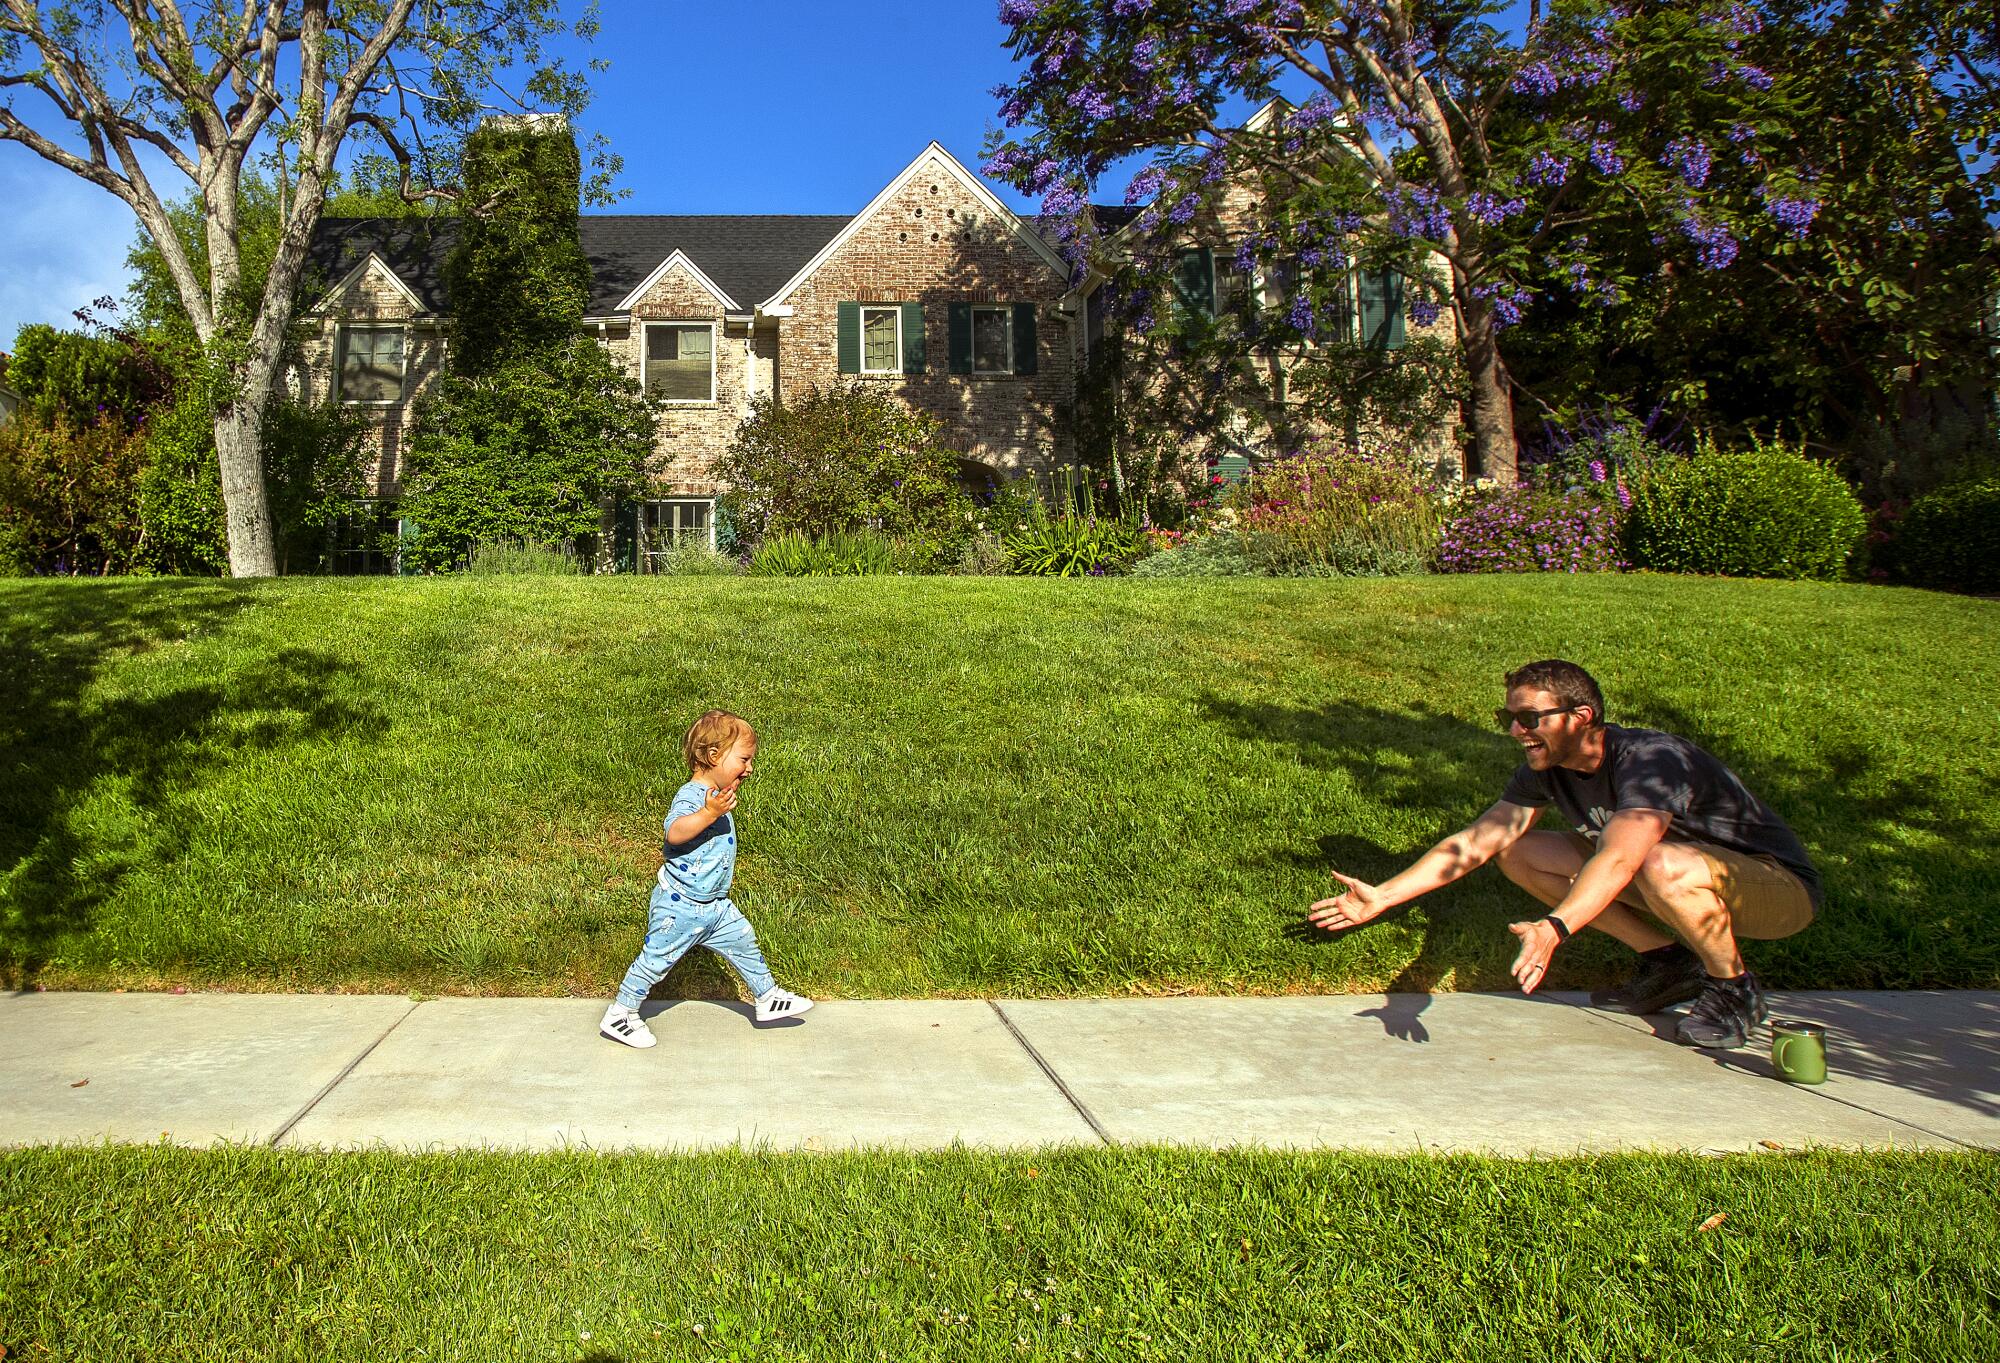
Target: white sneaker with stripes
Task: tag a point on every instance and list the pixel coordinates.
(625, 1026)
(781, 1003)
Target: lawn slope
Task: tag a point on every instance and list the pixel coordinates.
(966, 786)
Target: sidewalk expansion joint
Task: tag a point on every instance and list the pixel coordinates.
(1048, 1069)
(334, 1082)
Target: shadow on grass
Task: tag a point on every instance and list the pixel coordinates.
(1897, 829)
(88, 777)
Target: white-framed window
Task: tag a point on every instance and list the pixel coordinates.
(372, 363)
(992, 339)
(680, 361)
(666, 521)
(882, 340)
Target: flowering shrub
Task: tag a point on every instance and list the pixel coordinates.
(1359, 512)
(1529, 529)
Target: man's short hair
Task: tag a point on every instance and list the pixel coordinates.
(1565, 681)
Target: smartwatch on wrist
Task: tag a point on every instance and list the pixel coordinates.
(1562, 928)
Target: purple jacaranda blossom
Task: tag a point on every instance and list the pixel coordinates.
(1605, 158)
(1182, 211)
(1145, 184)
(1301, 315)
(1424, 311)
(1017, 12)
(1689, 156)
(1417, 212)
(1092, 101)
(1536, 78)
(1739, 133)
(1146, 54)
(1631, 101)
(1490, 208)
(1796, 214)
(1126, 9)
(1718, 246)
(1315, 111)
(1546, 168)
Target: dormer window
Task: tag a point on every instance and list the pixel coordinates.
(680, 361)
(371, 364)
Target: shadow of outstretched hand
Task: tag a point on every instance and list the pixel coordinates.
(1402, 1016)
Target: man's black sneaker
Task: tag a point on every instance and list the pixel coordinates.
(1722, 1017)
(1664, 977)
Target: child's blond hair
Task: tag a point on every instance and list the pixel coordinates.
(709, 737)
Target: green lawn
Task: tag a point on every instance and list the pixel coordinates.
(966, 786)
(161, 1254)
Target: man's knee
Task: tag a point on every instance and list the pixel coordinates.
(1677, 878)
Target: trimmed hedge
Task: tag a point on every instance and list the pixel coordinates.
(1951, 538)
(1763, 512)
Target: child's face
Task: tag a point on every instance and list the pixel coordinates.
(735, 764)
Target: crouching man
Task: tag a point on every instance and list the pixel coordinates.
(1664, 841)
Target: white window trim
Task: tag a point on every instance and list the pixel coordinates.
(714, 361)
(341, 330)
(709, 502)
(1007, 311)
(896, 369)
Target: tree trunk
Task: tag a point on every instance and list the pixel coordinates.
(1491, 400)
(239, 448)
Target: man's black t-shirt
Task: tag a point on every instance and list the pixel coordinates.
(1647, 769)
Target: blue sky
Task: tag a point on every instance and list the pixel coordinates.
(777, 107)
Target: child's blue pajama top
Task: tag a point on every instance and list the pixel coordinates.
(702, 867)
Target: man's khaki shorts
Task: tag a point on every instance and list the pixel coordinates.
(1765, 900)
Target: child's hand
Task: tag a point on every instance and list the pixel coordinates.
(720, 801)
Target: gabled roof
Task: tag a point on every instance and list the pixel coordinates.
(743, 257)
(746, 256)
(413, 249)
(1022, 232)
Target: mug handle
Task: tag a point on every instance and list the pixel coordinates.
(1782, 1040)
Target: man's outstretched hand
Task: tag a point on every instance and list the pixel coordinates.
(1538, 944)
(1361, 903)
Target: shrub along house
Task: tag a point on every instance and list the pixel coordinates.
(935, 289)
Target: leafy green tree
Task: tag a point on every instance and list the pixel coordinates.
(81, 380)
(113, 87)
(535, 428)
(1391, 161)
(846, 459)
(1837, 333)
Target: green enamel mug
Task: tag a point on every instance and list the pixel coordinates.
(1798, 1052)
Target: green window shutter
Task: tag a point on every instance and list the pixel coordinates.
(847, 337)
(1194, 279)
(1232, 469)
(1024, 338)
(1382, 309)
(913, 338)
(959, 315)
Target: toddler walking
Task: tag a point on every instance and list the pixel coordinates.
(691, 905)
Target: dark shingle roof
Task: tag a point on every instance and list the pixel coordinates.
(414, 248)
(749, 257)
(1111, 217)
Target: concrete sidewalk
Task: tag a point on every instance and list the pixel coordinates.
(1450, 1072)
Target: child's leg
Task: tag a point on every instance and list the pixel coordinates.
(670, 931)
(735, 941)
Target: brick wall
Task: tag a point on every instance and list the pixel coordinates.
(693, 435)
(373, 297)
(935, 243)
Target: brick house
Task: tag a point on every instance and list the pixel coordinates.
(935, 289)
(1373, 311)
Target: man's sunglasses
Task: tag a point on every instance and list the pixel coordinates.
(1529, 719)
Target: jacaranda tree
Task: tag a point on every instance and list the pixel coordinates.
(1390, 152)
